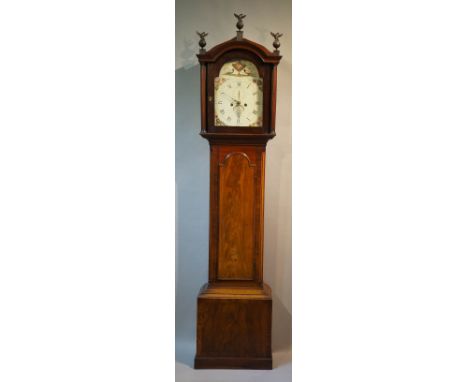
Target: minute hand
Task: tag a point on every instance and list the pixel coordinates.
(229, 96)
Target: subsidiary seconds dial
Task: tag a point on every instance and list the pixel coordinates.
(238, 95)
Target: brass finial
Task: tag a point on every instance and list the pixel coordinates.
(240, 23)
(202, 41)
(276, 43)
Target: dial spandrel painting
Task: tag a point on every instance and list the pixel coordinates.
(238, 95)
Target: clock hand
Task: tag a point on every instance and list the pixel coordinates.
(238, 108)
(229, 97)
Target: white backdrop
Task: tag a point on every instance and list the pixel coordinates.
(87, 198)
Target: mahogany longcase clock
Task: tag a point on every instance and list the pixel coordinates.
(238, 101)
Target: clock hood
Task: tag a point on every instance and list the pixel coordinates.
(236, 43)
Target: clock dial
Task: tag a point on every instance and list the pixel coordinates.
(238, 95)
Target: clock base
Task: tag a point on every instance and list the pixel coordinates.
(233, 363)
(234, 327)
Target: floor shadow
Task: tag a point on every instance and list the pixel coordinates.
(282, 358)
(185, 352)
(282, 333)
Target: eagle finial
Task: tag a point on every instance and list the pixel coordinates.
(202, 41)
(240, 23)
(276, 43)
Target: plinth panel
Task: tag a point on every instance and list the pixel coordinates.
(234, 329)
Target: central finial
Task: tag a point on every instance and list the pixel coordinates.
(240, 24)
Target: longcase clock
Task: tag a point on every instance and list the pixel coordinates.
(238, 102)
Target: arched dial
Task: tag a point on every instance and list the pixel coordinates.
(238, 95)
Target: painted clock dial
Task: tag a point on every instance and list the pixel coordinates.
(238, 95)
